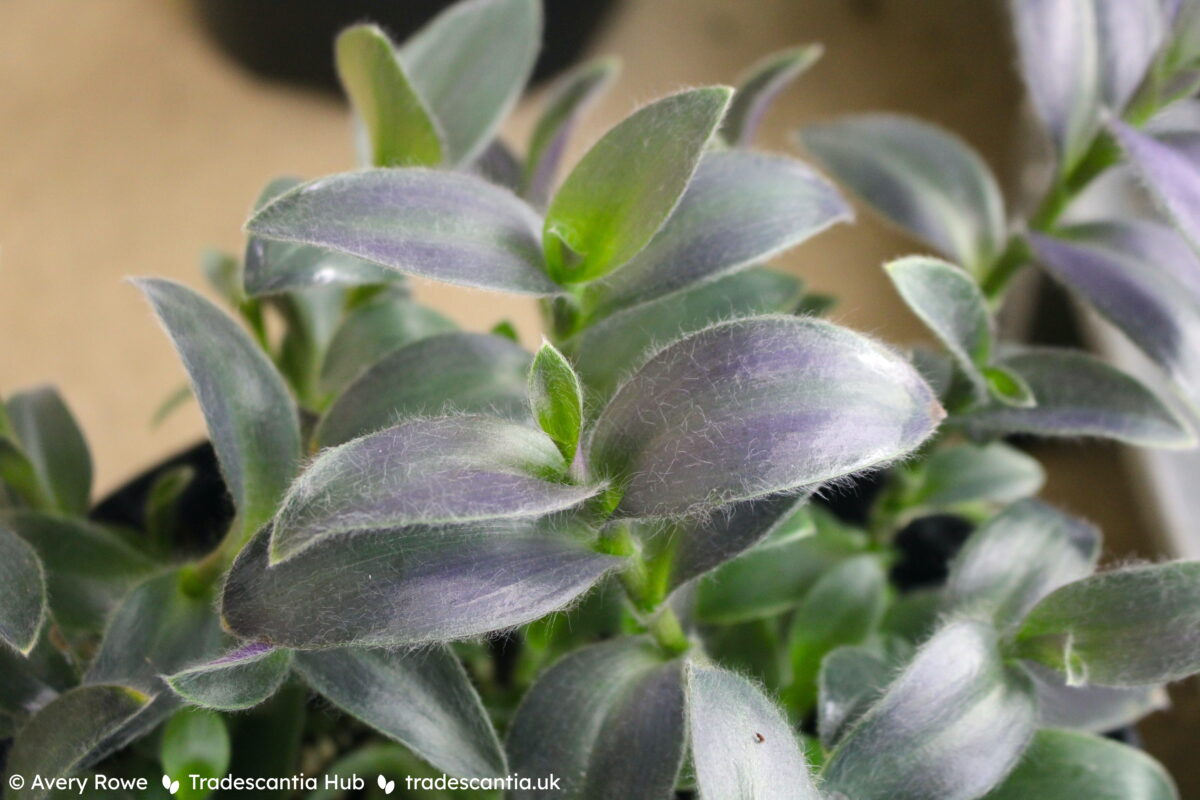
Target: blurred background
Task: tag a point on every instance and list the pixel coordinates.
(131, 142)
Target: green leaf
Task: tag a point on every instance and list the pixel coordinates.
(1017, 558)
(1128, 627)
(251, 419)
(23, 606)
(162, 510)
(920, 177)
(758, 88)
(627, 185)
(851, 680)
(194, 742)
(556, 398)
(421, 698)
(579, 720)
(957, 705)
(224, 274)
(423, 472)
(400, 128)
(470, 64)
(573, 95)
(19, 474)
(237, 680)
(1064, 765)
(53, 444)
(965, 474)
(843, 607)
(951, 305)
(743, 748)
(67, 733)
(1008, 387)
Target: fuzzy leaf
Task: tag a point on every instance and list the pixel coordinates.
(52, 442)
(1127, 627)
(605, 350)
(426, 471)
(608, 719)
(23, 605)
(421, 698)
(1059, 45)
(963, 474)
(573, 95)
(237, 680)
(742, 746)
(758, 88)
(447, 226)
(1131, 34)
(556, 398)
(251, 418)
(920, 177)
(626, 186)
(1019, 557)
(470, 64)
(1170, 167)
(956, 704)
(1095, 709)
(739, 209)
(754, 407)
(1078, 395)
(408, 585)
(400, 128)
(1064, 765)
(850, 681)
(64, 736)
(1154, 309)
(470, 373)
(195, 742)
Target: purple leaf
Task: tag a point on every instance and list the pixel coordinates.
(759, 87)
(425, 471)
(1131, 34)
(755, 407)
(1170, 167)
(447, 226)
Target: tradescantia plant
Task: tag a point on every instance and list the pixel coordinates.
(608, 561)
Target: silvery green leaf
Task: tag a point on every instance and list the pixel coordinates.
(1143, 299)
(88, 569)
(400, 128)
(739, 209)
(572, 96)
(240, 679)
(966, 473)
(608, 719)
(773, 578)
(251, 419)
(1078, 395)
(957, 705)
(371, 331)
(1017, 558)
(65, 735)
(556, 399)
(622, 191)
(1132, 33)
(1184, 49)
(421, 698)
(448, 226)
(920, 177)
(1066, 765)
(32, 680)
(470, 64)
(224, 274)
(499, 165)
(604, 350)
(277, 267)
(443, 470)
(470, 373)
(1128, 627)
(1059, 47)
(758, 88)
(754, 407)
(851, 679)
(52, 442)
(1096, 709)
(951, 305)
(1170, 168)
(23, 605)
(408, 585)
(743, 748)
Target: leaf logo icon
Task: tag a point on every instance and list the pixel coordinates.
(386, 785)
(170, 785)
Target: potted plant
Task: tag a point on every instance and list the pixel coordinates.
(451, 567)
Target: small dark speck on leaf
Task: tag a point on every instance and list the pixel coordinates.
(758, 737)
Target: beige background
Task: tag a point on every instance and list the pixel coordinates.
(128, 145)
